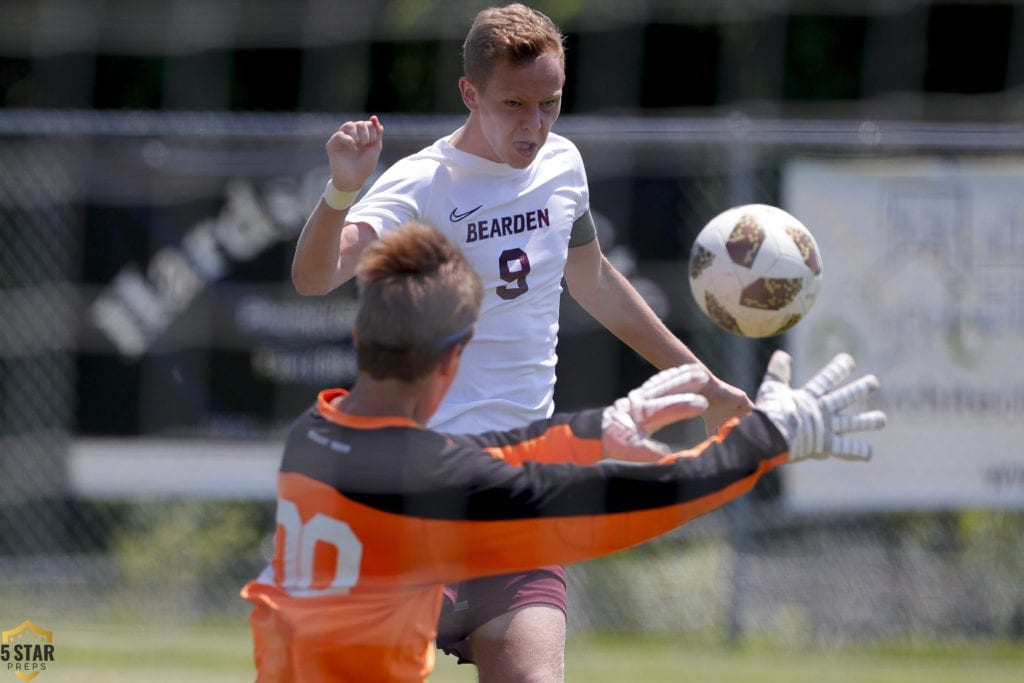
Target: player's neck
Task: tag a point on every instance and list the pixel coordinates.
(470, 140)
(371, 397)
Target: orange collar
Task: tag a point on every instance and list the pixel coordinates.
(328, 411)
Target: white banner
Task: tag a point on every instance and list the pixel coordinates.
(924, 285)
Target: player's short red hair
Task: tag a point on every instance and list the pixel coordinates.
(516, 33)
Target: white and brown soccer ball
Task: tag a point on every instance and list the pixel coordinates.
(755, 270)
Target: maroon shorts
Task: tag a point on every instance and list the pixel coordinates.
(470, 604)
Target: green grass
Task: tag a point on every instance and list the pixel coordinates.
(657, 659)
(150, 653)
(221, 652)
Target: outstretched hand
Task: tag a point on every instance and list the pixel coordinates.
(811, 417)
(669, 396)
(353, 151)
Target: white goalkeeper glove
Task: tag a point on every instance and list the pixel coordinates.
(667, 397)
(809, 418)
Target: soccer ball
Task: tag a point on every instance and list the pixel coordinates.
(755, 270)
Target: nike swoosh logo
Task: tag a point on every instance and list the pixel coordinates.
(455, 216)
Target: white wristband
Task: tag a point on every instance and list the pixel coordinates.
(338, 200)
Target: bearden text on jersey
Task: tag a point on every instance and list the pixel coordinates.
(507, 225)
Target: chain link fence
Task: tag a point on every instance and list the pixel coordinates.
(153, 351)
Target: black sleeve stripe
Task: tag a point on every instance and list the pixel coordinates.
(480, 488)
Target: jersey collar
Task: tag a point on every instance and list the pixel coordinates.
(329, 412)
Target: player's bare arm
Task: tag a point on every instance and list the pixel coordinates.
(608, 296)
(328, 247)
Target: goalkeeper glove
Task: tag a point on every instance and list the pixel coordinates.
(809, 418)
(667, 397)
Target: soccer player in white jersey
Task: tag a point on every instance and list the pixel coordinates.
(514, 196)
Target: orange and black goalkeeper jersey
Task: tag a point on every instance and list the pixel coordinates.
(376, 515)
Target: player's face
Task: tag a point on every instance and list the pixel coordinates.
(511, 117)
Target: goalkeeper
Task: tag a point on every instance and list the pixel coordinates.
(376, 513)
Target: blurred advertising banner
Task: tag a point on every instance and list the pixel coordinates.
(924, 285)
(152, 255)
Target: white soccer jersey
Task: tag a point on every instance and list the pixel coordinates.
(514, 227)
